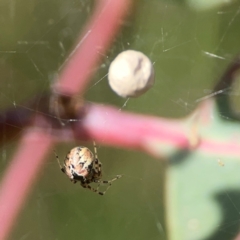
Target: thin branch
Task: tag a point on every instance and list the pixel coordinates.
(34, 145)
(92, 45)
(20, 176)
(152, 134)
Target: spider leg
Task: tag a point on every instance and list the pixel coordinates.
(62, 168)
(95, 149)
(86, 185)
(109, 182)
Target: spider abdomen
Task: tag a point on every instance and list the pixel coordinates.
(82, 165)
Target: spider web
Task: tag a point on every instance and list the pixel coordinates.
(189, 49)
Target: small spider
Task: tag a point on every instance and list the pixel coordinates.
(81, 165)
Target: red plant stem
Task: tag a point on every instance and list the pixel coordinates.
(238, 237)
(34, 145)
(92, 45)
(20, 175)
(104, 124)
(110, 126)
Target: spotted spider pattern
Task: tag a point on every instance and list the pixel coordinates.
(81, 165)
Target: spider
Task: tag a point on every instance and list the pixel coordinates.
(82, 165)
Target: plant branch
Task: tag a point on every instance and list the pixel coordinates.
(20, 176)
(92, 45)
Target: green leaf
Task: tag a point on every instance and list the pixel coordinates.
(203, 183)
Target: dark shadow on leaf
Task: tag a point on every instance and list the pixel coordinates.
(229, 204)
(179, 157)
(223, 91)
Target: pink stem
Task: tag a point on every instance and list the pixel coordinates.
(110, 126)
(238, 237)
(34, 145)
(20, 175)
(92, 45)
(107, 125)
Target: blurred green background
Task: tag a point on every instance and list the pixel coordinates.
(36, 37)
